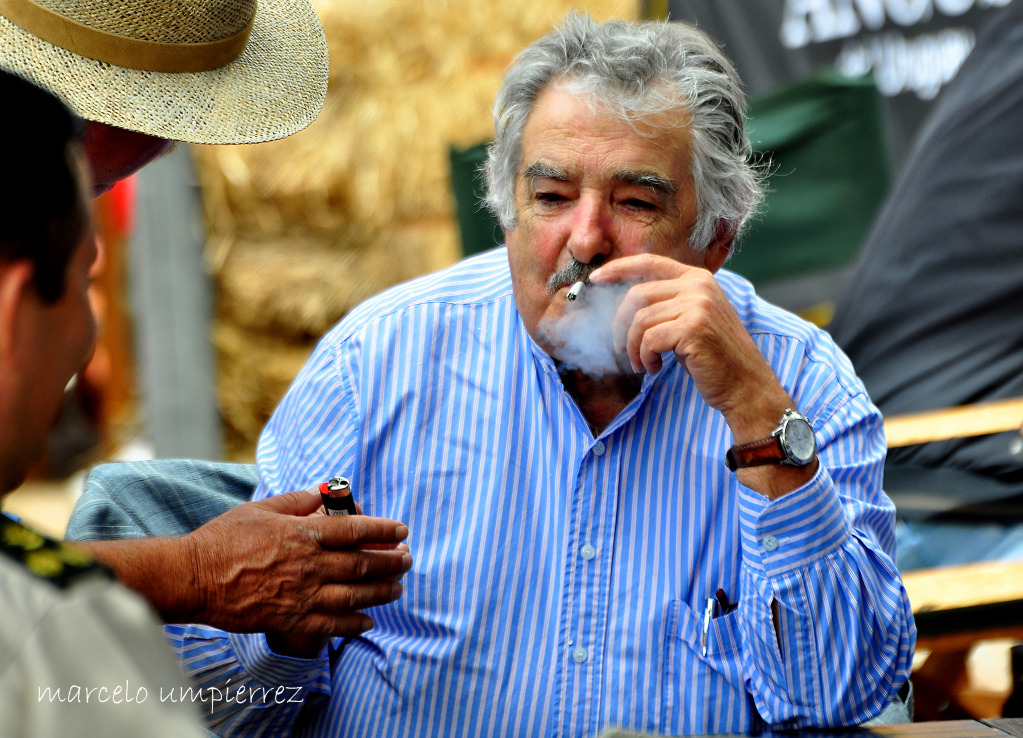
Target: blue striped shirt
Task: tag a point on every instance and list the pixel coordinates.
(560, 580)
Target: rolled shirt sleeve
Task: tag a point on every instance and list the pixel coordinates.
(828, 631)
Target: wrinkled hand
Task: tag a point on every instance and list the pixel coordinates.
(280, 566)
(680, 308)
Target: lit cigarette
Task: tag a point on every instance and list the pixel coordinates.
(574, 291)
(337, 497)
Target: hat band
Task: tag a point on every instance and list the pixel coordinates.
(133, 53)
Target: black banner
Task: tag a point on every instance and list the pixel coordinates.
(913, 48)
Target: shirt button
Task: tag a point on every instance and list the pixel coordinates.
(599, 448)
(580, 655)
(770, 543)
(588, 552)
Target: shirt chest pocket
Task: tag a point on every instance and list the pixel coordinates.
(704, 688)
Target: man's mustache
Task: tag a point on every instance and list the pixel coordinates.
(574, 271)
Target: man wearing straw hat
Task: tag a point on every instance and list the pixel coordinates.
(144, 74)
(640, 496)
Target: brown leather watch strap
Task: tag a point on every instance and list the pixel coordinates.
(757, 453)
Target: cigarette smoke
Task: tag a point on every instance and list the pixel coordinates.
(582, 335)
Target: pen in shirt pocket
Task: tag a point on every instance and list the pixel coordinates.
(708, 613)
(726, 606)
(337, 497)
(720, 599)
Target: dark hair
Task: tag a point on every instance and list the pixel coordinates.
(43, 212)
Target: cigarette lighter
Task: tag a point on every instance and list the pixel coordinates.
(337, 497)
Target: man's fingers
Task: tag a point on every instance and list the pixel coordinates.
(644, 306)
(301, 502)
(638, 268)
(306, 638)
(338, 531)
(361, 566)
(386, 547)
(347, 531)
(334, 599)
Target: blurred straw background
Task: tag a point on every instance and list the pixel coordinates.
(303, 229)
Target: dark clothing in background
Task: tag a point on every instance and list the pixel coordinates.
(933, 315)
(917, 56)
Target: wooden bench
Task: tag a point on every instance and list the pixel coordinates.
(957, 607)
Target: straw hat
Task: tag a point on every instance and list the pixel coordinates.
(201, 71)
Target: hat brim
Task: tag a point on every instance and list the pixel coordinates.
(273, 89)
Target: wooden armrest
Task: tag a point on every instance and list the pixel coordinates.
(955, 422)
(956, 606)
(969, 585)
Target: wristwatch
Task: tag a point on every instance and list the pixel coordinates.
(792, 443)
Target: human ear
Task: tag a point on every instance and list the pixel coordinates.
(720, 248)
(16, 295)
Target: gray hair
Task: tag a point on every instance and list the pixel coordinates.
(636, 70)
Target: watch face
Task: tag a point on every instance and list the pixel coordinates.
(798, 441)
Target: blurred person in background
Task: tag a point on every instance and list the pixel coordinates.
(931, 315)
(144, 75)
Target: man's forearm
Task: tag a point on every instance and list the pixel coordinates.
(160, 569)
(273, 566)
